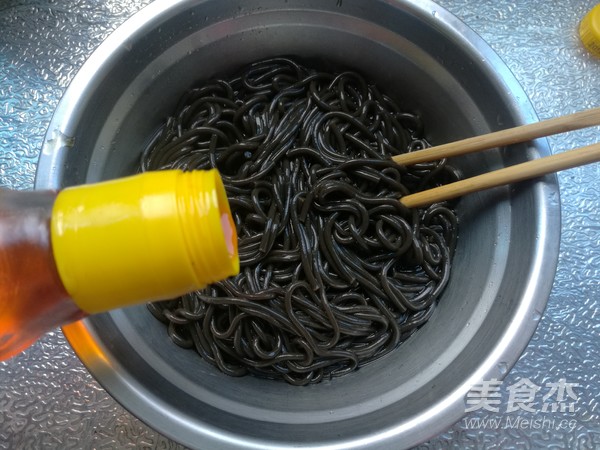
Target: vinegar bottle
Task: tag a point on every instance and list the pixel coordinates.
(91, 248)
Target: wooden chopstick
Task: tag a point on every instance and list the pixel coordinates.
(512, 174)
(507, 175)
(582, 119)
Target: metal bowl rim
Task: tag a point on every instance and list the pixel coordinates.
(442, 414)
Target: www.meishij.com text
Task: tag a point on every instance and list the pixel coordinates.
(519, 423)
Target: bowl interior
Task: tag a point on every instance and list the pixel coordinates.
(431, 64)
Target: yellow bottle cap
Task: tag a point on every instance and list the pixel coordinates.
(147, 237)
(589, 31)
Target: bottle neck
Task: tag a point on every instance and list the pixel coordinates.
(33, 299)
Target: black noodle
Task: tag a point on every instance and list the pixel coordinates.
(335, 271)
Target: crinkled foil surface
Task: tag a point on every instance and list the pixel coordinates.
(49, 400)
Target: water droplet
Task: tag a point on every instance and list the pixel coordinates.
(434, 13)
(503, 368)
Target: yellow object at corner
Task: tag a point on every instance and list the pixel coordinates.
(589, 31)
(148, 237)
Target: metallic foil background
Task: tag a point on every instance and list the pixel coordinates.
(48, 399)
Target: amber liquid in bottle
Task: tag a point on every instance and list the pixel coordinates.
(33, 299)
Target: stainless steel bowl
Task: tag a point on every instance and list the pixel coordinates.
(503, 268)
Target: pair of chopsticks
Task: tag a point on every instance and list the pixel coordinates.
(512, 174)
